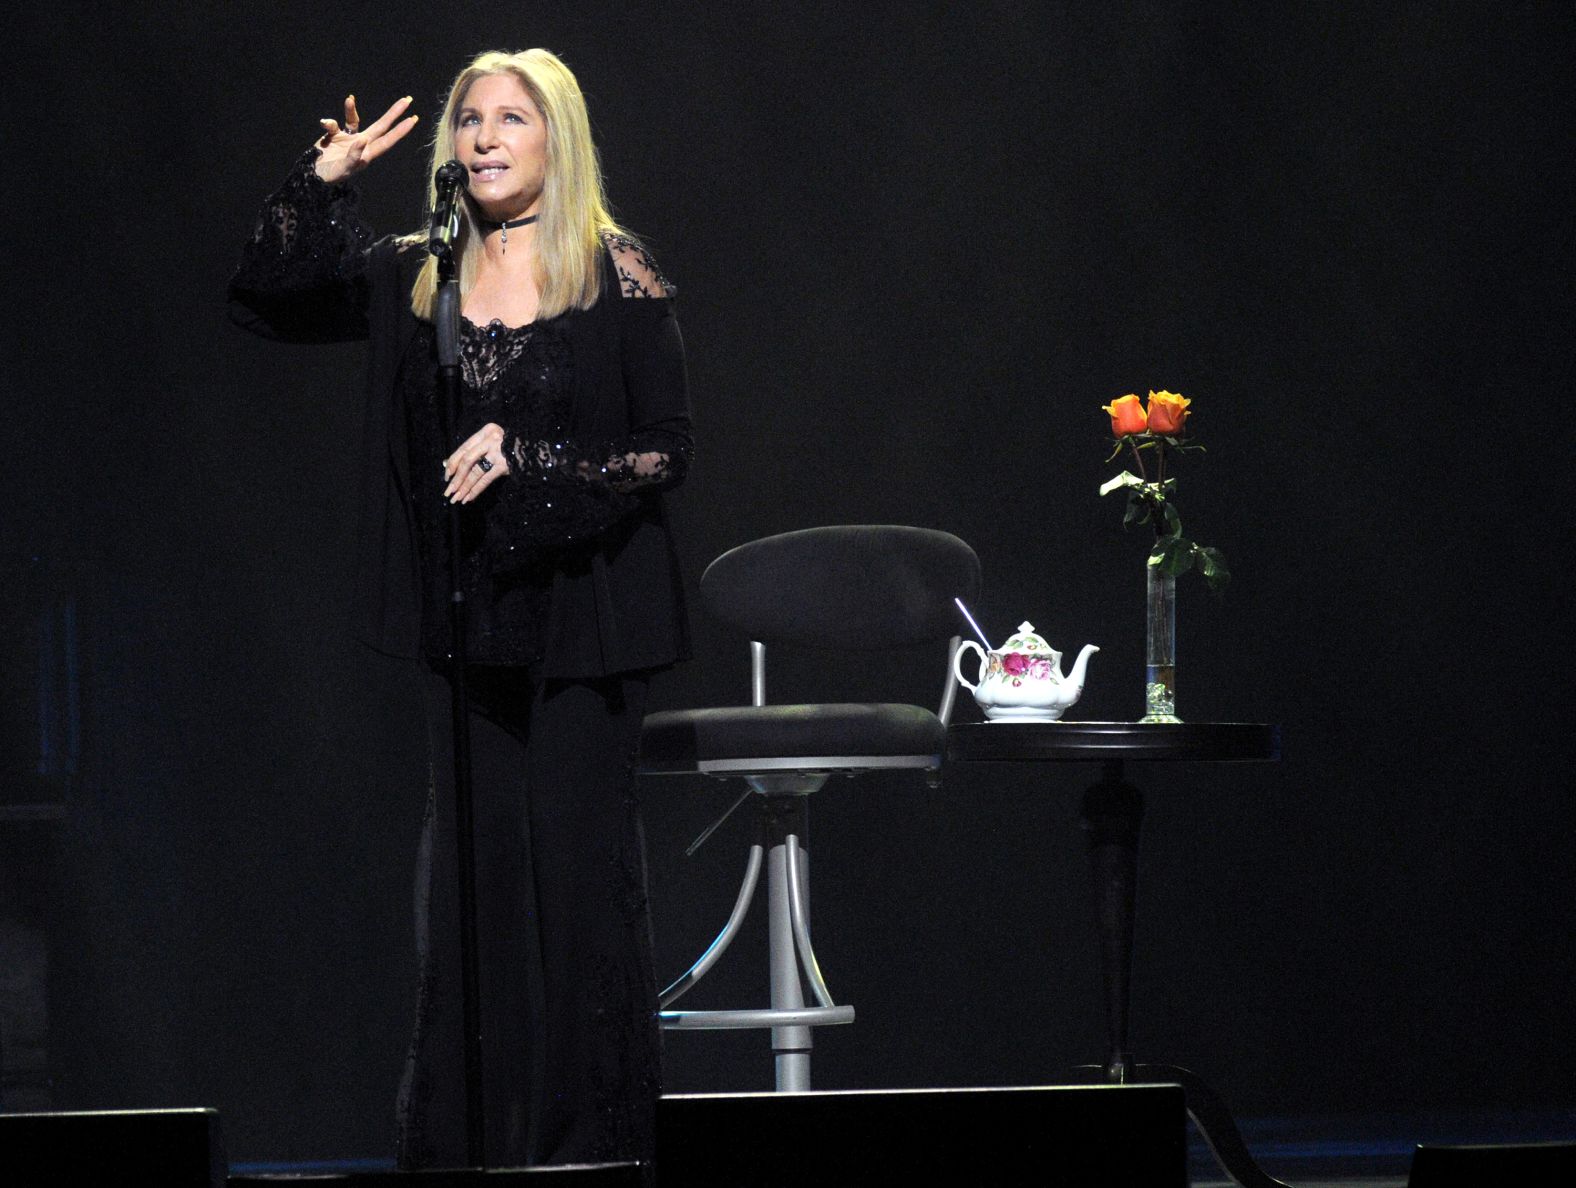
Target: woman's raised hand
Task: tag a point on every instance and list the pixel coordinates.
(349, 150)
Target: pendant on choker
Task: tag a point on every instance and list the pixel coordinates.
(506, 224)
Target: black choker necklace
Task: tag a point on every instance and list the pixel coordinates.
(506, 225)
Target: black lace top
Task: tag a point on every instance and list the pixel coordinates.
(517, 376)
(308, 251)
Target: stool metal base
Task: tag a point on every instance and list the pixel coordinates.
(788, 942)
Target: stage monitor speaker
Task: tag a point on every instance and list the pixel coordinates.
(1524, 1165)
(112, 1148)
(1067, 1136)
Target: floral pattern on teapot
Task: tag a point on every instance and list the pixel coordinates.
(1022, 680)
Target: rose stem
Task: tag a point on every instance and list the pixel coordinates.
(1151, 496)
(1139, 458)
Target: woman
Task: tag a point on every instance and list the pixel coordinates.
(574, 419)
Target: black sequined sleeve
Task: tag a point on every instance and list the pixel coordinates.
(302, 273)
(561, 491)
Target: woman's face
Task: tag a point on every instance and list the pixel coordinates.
(501, 139)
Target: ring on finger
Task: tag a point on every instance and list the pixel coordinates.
(484, 465)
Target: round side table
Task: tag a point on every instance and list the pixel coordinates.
(1113, 811)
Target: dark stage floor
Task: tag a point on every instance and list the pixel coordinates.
(1372, 1150)
(1342, 1182)
(1330, 1151)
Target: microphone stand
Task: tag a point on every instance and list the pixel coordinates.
(447, 324)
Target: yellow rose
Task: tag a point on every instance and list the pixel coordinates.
(1127, 416)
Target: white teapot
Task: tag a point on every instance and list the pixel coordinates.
(1022, 680)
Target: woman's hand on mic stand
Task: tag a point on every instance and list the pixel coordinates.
(349, 150)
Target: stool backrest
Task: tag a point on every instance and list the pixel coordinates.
(861, 586)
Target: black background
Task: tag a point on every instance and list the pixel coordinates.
(917, 247)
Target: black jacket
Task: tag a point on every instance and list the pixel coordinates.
(310, 273)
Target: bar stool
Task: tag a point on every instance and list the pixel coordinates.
(847, 588)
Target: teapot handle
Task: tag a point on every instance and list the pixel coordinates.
(957, 661)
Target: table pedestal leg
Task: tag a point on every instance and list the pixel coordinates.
(1113, 812)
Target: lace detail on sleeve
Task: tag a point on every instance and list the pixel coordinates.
(302, 268)
(638, 273)
(561, 492)
(651, 459)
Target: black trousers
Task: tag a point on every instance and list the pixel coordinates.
(570, 1045)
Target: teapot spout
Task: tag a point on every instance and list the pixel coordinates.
(1076, 677)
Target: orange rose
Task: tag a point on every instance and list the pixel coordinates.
(1167, 413)
(1127, 416)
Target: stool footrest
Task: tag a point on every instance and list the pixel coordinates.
(766, 1017)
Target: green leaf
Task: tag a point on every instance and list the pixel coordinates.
(1172, 555)
(1173, 521)
(1126, 479)
(1212, 564)
(1137, 511)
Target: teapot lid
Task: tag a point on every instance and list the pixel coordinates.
(1026, 641)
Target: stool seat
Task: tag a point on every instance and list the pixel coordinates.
(844, 736)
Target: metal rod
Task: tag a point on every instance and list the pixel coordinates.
(949, 691)
(790, 1043)
(799, 916)
(717, 824)
(446, 323)
(757, 673)
(972, 623)
(749, 1020)
(741, 905)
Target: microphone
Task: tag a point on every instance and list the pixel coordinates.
(449, 180)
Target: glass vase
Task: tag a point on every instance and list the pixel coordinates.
(1160, 646)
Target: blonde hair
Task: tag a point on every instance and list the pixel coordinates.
(574, 210)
